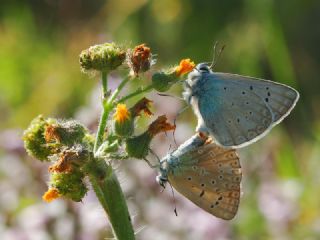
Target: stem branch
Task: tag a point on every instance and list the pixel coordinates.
(137, 92)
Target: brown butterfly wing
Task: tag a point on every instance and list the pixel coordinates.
(210, 177)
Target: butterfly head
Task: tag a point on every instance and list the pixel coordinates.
(198, 71)
(203, 68)
(162, 178)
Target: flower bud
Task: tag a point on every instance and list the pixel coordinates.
(123, 121)
(138, 146)
(140, 59)
(102, 57)
(163, 80)
(69, 185)
(70, 159)
(65, 132)
(34, 139)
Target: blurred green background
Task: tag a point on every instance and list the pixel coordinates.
(40, 42)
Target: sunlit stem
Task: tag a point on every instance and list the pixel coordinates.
(119, 88)
(105, 113)
(103, 179)
(137, 92)
(104, 79)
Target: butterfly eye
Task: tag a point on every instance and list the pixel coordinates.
(202, 67)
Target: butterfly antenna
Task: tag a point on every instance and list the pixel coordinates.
(149, 163)
(174, 131)
(174, 200)
(218, 56)
(154, 154)
(214, 54)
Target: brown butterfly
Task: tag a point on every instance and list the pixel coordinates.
(207, 174)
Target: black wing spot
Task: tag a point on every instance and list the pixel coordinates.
(220, 177)
(250, 113)
(212, 206)
(232, 104)
(251, 88)
(202, 184)
(202, 193)
(243, 92)
(269, 94)
(267, 99)
(217, 202)
(267, 88)
(213, 182)
(189, 178)
(220, 198)
(238, 120)
(247, 103)
(225, 88)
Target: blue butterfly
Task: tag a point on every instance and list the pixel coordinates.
(236, 110)
(207, 174)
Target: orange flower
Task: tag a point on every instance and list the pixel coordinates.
(160, 125)
(50, 195)
(121, 113)
(142, 105)
(184, 67)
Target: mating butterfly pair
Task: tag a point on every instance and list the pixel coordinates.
(235, 111)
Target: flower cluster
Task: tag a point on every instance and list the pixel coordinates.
(70, 147)
(67, 145)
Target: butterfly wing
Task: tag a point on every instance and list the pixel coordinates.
(238, 110)
(210, 177)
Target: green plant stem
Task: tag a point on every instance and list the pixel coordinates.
(105, 113)
(104, 181)
(137, 92)
(102, 125)
(119, 88)
(104, 79)
(109, 193)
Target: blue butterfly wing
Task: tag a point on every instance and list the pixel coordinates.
(238, 110)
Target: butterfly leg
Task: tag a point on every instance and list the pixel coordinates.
(175, 120)
(169, 95)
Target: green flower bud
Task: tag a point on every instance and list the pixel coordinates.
(34, 139)
(123, 121)
(138, 146)
(162, 81)
(102, 57)
(65, 132)
(70, 159)
(69, 185)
